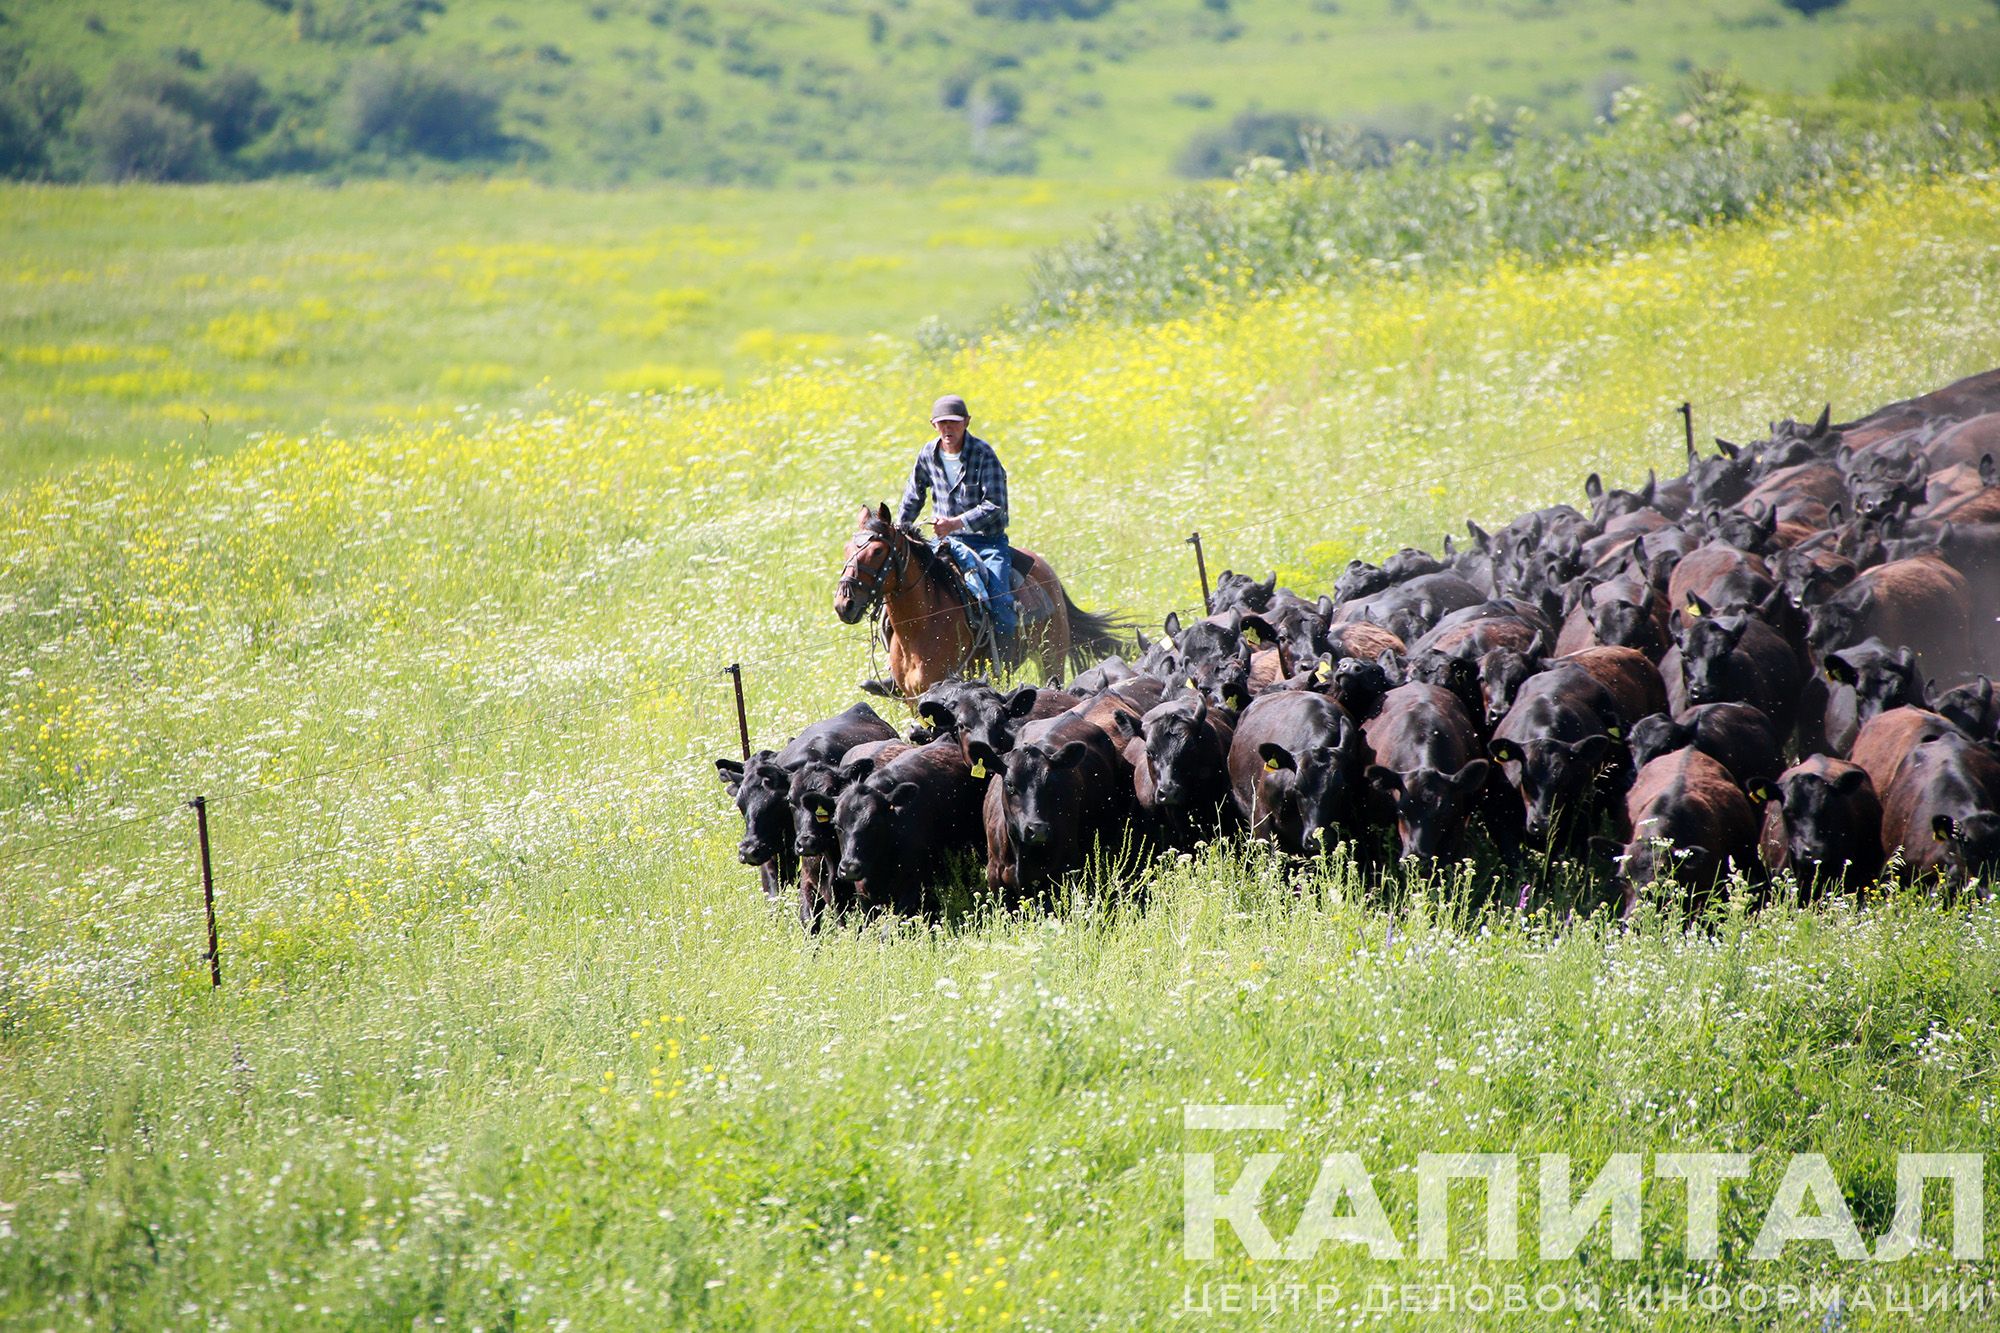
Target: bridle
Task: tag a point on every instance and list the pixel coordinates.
(855, 582)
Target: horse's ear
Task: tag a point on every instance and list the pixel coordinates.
(883, 512)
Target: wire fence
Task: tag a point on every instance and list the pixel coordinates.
(174, 823)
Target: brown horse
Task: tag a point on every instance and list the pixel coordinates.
(922, 599)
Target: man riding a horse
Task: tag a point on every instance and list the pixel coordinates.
(919, 593)
(968, 485)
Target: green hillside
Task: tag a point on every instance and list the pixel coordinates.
(603, 91)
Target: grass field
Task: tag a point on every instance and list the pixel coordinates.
(137, 316)
(507, 1038)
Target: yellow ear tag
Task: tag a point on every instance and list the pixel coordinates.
(1270, 765)
(1251, 637)
(1615, 733)
(979, 768)
(1324, 671)
(1939, 835)
(1694, 611)
(821, 816)
(1191, 684)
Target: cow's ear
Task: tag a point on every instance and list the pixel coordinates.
(1472, 777)
(1651, 490)
(1849, 781)
(1480, 537)
(1324, 607)
(904, 795)
(1384, 779)
(1825, 420)
(1125, 724)
(1391, 663)
(1505, 752)
(1838, 669)
(1836, 514)
(820, 806)
(856, 769)
(1760, 791)
(731, 773)
(1943, 828)
(1593, 487)
(1727, 449)
(1172, 625)
(1276, 756)
(1989, 471)
(1697, 607)
(937, 715)
(1593, 749)
(1022, 701)
(1258, 631)
(1609, 848)
(1070, 755)
(1270, 585)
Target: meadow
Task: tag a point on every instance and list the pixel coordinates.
(506, 1038)
(133, 316)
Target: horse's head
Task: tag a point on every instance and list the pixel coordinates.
(876, 552)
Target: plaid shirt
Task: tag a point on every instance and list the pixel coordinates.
(980, 498)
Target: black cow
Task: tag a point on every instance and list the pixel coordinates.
(1868, 679)
(1737, 736)
(761, 787)
(901, 826)
(1052, 803)
(1427, 769)
(1556, 749)
(1823, 822)
(1179, 756)
(1296, 765)
(1733, 658)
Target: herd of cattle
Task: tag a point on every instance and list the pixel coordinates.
(1781, 660)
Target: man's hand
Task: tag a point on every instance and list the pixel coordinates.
(946, 526)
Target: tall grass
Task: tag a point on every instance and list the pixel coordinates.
(1496, 189)
(506, 1036)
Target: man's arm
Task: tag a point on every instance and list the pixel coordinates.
(913, 494)
(990, 515)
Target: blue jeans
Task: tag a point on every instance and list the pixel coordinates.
(996, 564)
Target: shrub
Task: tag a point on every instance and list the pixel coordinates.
(132, 137)
(1479, 193)
(403, 107)
(1926, 65)
(1040, 10)
(1282, 135)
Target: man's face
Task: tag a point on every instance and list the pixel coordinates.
(952, 433)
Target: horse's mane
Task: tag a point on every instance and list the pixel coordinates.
(937, 568)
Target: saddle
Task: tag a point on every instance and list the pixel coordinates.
(1032, 602)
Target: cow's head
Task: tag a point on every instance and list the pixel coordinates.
(871, 819)
(815, 799)
(1502, 673)
(1706, 649)
(1044, 795)
(1320, 785)
(1881, 679)
(989, 724)
(761, 789)
(1554, 777)
(1818, 816)
(1431, 806)
(1181, 749)
(1624, 624)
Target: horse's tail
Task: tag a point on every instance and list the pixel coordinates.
(1093, 636)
